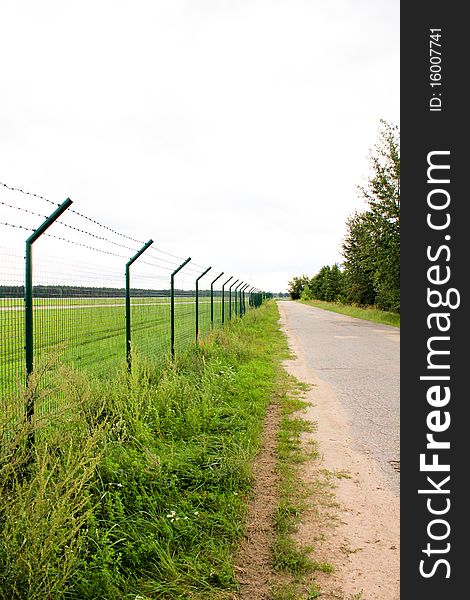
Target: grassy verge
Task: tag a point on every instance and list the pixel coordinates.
(368, 314)
(294, 568)
(138, 488)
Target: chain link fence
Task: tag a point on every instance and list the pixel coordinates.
(75, 292)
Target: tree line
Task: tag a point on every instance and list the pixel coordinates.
(370, 271)
(71, 291)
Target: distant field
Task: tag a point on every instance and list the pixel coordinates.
(9, 303)
(89, 333)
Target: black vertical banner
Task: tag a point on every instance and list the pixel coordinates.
(435, 360)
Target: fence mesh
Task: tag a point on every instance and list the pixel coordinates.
(217, 307)
(78, 314)
(185, 308)
(79, 298)
(12, 327)
(150, 311)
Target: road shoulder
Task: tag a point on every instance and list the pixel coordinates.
(353, 519)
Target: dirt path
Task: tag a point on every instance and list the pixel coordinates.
(356, 529)
(253, 563)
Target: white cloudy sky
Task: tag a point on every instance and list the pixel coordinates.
(234, 131)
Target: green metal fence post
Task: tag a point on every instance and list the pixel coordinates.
(128, 301)
(230, 299)
(250, 297)
(236, 295)
(242, 299)
(28, 299)
(223, 298)
(243, 294)
(235, 298)
(212, 299)
(197, 300)
(172, 306)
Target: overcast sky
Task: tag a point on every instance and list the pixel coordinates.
(232, 131)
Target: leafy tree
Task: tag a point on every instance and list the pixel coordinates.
(371, 248)
(359, 261)
(327, 284)
(306, 293)
(321, 283)
(334, 284)
(296, 286)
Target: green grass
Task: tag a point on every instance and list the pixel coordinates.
(368, 314)
(293, 565)
(138, 487)
(89, 333)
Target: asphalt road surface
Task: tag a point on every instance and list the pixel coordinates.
(360, 361)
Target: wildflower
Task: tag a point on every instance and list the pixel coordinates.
(196, 513)
(171, 514)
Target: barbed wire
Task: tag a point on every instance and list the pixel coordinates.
(88, 247)
(93, 235)
(169, 262)
(72, 210)
(17, 226)
(26, 210)
(191, 271)
(13, 189)
(198, 266)
(180, 258)
(59, 222)
(144, 262)
(105, 227)
(62, 239)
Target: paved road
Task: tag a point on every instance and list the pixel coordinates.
(360, 361)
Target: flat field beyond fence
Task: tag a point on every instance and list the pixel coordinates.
(89, 333)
